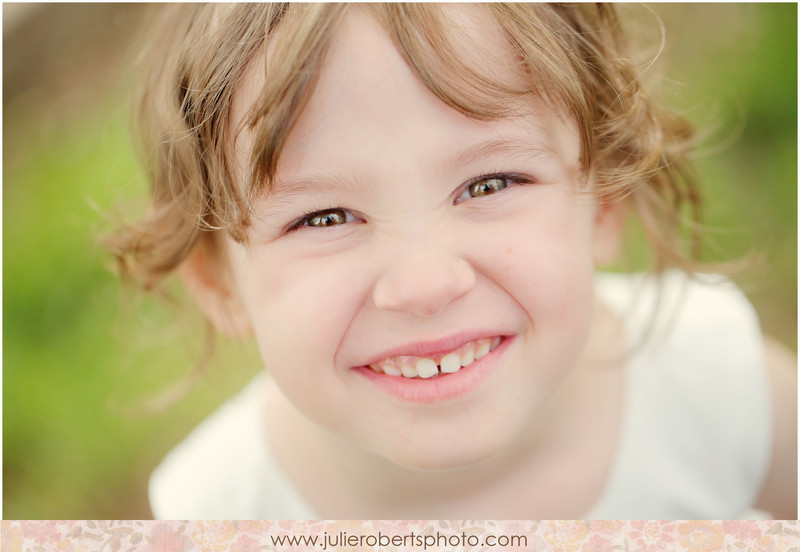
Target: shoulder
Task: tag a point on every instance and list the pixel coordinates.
(779, 493)
(699, 339)
(206, 475)
(701, 320)
(699, 391)
(674, 302)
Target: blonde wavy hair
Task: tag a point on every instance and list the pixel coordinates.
(574, 56)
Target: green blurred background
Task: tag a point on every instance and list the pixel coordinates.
(81, 353)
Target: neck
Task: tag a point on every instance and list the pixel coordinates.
(341, 480)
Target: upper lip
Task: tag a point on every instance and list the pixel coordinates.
(435, 347)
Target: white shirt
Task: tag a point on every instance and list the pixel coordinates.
(695, 438)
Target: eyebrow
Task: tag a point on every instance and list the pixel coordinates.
(515, 148)
(313, 184)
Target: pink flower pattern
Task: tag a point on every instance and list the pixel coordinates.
(651, 536)
(701, 536)
(530, 536)
(165, 537)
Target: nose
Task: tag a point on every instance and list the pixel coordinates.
(422, 279)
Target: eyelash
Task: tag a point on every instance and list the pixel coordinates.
(302, 221)
(509, 178)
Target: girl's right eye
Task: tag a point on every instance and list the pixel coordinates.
(323, 219)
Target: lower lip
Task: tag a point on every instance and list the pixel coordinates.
(443, 386)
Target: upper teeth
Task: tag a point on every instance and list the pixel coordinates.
(423, 367)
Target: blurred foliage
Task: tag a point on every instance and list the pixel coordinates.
(80, 352)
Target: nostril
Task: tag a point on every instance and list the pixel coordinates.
(423, 289)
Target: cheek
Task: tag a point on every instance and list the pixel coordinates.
(556, 292)
(547, 270)
(300, 310)
(545, 261)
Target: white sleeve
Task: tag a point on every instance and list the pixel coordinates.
(206, 475)
(224, 469)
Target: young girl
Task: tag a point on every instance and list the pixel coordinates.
(405, 206)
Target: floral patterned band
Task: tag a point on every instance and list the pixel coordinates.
(399, 536)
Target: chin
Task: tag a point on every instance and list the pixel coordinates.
(445, 456)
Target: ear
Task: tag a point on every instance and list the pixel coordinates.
(608, 226)
(206, 275)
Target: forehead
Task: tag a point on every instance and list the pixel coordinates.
(367, 77)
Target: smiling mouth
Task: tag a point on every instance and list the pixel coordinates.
(430, 367)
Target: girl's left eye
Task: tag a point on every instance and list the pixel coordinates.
(489, 185)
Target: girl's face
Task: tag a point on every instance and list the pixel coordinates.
(403, 236)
